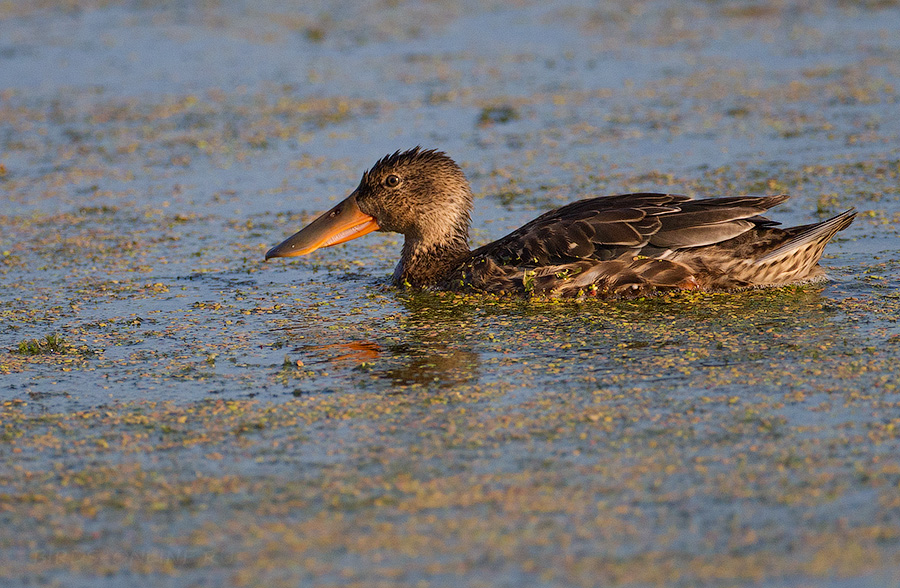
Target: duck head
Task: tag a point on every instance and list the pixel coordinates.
(421, 194)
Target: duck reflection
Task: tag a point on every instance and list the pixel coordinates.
(352, 351)
(429, 345)
(436, 364)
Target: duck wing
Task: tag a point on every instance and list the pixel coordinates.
(613, 227)
(706, 222)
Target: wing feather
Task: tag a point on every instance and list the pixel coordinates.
(613, 227)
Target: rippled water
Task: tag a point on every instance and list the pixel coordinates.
(151, 154)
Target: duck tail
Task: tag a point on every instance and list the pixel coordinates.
(815, 235)
(795, 259)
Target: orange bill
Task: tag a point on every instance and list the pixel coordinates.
(342, 223)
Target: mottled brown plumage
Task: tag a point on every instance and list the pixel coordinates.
(625, 245)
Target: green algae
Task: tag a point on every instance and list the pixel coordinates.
(281, 424)
(50, 344)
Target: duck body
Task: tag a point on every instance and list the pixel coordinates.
(623, 245)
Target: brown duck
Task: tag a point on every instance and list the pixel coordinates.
(625, 245)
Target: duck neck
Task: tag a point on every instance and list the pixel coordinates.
(425, 264)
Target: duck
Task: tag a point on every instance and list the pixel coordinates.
(625, 245)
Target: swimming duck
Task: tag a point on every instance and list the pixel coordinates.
(623, 245)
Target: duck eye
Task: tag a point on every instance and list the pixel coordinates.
(392, 181)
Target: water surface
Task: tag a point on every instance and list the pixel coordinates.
(201, 417)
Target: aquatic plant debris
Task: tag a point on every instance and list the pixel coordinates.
(175, 412)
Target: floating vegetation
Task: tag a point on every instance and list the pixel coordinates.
(497, 115)
(299, 423)
(49, 344)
